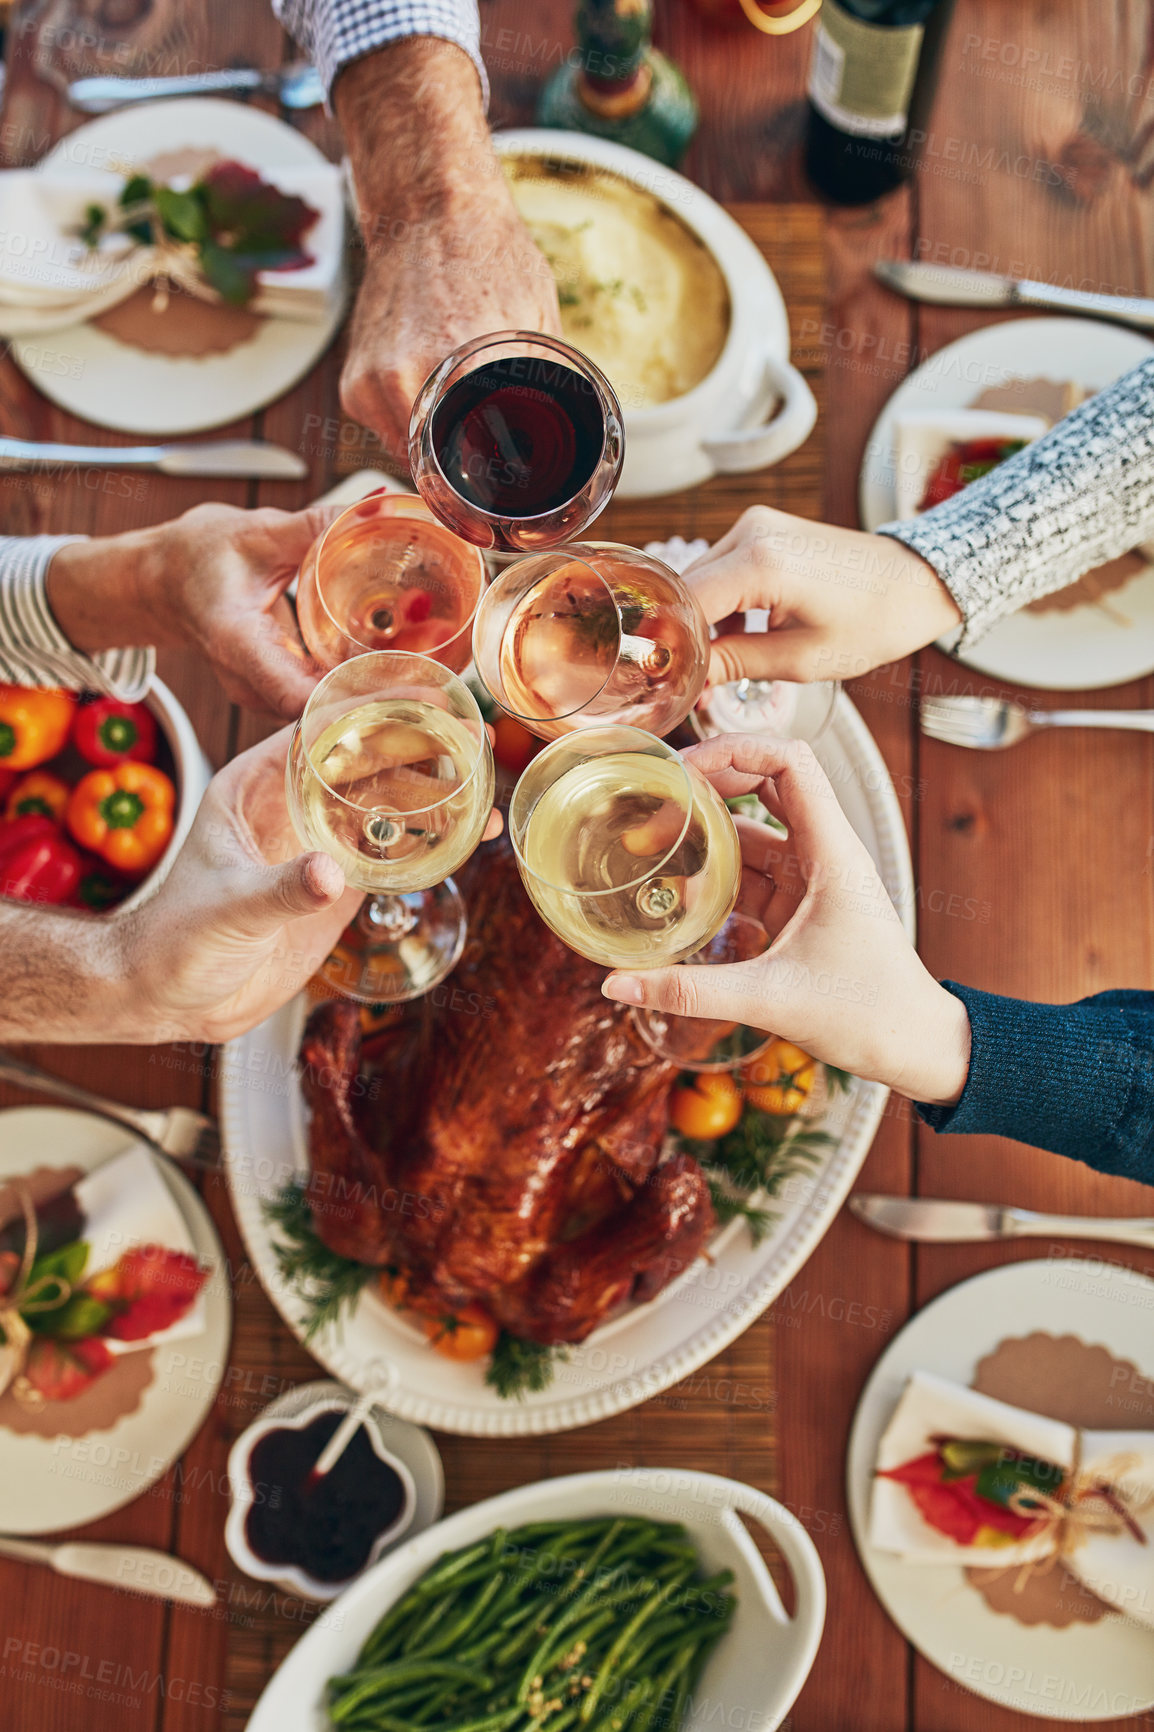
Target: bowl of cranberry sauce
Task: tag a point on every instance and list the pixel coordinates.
(313, 1534)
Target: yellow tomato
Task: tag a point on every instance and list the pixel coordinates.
(708, 1107)
(469, 1333)
(780, 1081)
(394, 1287)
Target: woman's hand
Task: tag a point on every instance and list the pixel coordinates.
(212, 580)
(840, 978)
(840, 602)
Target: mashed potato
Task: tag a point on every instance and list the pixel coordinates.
(639, 293)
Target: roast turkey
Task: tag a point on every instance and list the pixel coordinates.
(501, 1142)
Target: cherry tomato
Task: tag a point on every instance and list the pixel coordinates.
(513, 744)
(394, 1287)
(781, 1080)
(469, 1333)
(708, 1107)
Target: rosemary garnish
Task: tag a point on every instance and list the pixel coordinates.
(328, 1283)
(519, 1368)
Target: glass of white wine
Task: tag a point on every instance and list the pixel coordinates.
(390, 771)
(626, 850)
(589, 635)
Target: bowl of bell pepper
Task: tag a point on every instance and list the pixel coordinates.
(96, 795)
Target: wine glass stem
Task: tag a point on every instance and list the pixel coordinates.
(386, 917)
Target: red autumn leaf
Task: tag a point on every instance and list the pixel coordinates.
(953, 1507)
(148, 1289)
(254, 219)
(62, 1369)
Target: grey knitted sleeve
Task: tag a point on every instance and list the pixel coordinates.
(1078, 496)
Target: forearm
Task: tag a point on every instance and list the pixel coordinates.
(102, 592)
(414, 122)
(1077, 1079)
(65, 977)
(1077, 497)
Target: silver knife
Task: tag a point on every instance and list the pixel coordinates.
(950, 287)
(296, 86)
(137, 1569)
(212, 457)
(942, 1220)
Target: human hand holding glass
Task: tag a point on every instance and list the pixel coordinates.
(840, 979)
(391, 773)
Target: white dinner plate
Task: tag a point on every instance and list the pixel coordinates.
(47, 1484)
(1083, 1672)
(646, 1348)
(112, 384)
(1084, 647)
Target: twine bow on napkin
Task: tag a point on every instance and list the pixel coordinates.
(1087, 1503)
(24, 1297)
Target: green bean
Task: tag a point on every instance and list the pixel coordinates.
(378, 1681)
(666, 1682)
(465, 1621)
(647, 1610)
(568, 1618)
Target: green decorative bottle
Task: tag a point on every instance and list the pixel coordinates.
(620, 86)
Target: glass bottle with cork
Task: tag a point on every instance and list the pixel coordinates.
(619, 86)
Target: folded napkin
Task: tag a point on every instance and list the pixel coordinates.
(49, 278)
(1113, 1557)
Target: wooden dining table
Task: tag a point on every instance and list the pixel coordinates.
(1034, 867)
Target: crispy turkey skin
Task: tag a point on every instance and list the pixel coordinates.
(501, 1142)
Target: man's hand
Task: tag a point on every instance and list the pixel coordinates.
(448, 258)
(212, 580)
(840, 602)
(243, 919)
(840, 978)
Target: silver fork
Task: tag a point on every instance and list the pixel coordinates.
(183, 1135)
(990, 723)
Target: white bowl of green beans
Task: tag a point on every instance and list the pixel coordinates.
(630, 1600)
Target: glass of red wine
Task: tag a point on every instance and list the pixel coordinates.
(591, 635)
(516, 441)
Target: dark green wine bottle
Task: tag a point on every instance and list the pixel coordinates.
(871, 78)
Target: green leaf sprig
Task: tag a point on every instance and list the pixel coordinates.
(233, 223)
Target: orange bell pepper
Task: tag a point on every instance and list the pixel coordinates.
(124, 814)
(39, 794)
(34, 724)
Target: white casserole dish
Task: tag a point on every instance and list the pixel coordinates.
(721, 425)
(753, 1676)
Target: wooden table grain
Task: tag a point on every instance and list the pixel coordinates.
(1037, 159)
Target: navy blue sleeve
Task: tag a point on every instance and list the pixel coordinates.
(1074, 1078)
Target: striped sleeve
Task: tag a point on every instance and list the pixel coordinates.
(33, 649)
(333, 32)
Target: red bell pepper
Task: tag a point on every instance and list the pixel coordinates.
(37, 862)
(99, 887)
(106, 732)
